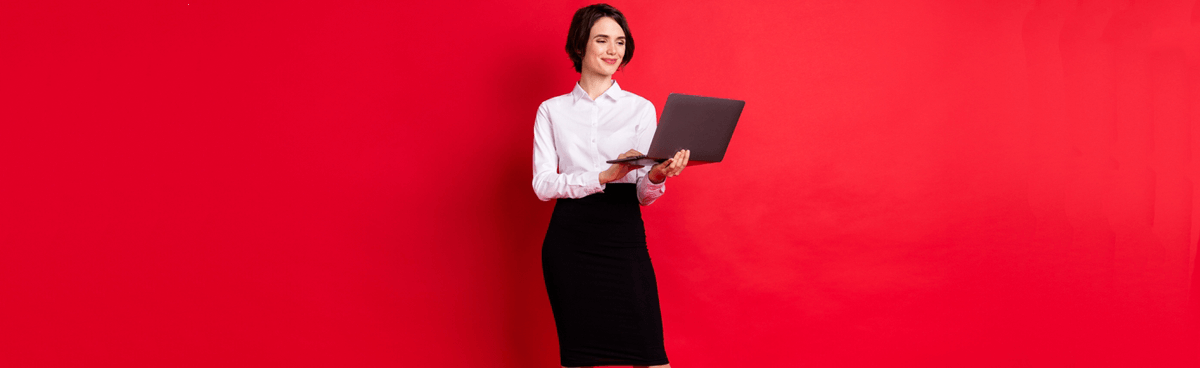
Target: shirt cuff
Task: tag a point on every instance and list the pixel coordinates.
(593, 182)
(650, 184)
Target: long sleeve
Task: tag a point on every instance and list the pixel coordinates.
(548, 183)
(647, 192)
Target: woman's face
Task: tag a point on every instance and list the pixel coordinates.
(605, 48)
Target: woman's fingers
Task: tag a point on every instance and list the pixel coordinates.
(687, 155)
(681, 159)
(678, 165)
(674, 165)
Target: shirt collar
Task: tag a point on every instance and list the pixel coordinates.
(613, 93)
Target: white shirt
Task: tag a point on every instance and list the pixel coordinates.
(573, 135)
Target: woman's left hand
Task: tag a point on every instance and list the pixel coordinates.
(670, 168)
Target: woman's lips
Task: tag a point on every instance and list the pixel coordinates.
(610, 61)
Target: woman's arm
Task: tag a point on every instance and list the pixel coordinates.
(547, 182)
(653, 179)
(647, 190)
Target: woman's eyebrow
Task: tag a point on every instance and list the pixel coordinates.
(606, 36)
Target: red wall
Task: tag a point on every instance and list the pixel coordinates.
(913, 183)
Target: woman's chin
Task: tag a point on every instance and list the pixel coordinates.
(603, 71)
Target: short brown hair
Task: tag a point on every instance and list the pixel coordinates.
(581, 29)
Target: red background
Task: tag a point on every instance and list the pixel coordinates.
(913, 183)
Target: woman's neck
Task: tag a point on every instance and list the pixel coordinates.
(595, 84)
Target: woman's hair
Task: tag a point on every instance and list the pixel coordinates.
(581, 29)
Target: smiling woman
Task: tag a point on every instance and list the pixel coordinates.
(597, 269)
(592, 29)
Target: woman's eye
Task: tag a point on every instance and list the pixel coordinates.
(599, 41)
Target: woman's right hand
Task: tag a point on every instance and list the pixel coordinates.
(620, 169)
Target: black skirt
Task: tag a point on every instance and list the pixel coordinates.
(601, 284)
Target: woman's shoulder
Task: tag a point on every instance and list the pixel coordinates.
(627, 94)
(566, 99)
(636, 102)
(639, 100)
(555, 101)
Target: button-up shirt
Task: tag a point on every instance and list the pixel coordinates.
(573, 135)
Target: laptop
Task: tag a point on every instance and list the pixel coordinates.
(703, 125)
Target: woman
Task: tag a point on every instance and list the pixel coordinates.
(596, 266)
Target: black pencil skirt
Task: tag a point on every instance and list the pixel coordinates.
(601, 284)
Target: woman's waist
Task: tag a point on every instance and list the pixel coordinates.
(612, 213)
(631, 178)
(612, 194)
